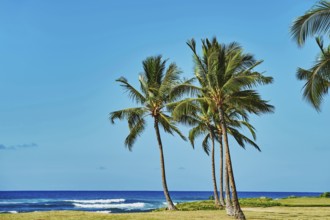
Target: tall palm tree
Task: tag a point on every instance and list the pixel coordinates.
(235, 120)
(205, 121)
(158, 88)
(200, 115)
(226, 77)
(315, 21)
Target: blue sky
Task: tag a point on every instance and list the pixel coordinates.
(58, 65)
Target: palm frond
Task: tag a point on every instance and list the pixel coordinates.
(242, 139)
(205, 144)
(184, 107)
(251, 101)
(316, 86)
(133, 93)
(250, 128)
(128, 114)
(154, 70)
(195, 132)
(168, 125)
(314, 21)
(135, 131)
(171, 79)
(184, 88)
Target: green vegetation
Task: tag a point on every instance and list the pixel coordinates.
(209, 205)
(259, 202)
(305, 202)
(314, 22)
(195, 206)
(325, 195)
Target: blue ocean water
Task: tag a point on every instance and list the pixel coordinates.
(110, 201)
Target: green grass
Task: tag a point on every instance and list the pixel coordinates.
(305, 202)
(209, 204)
(259, 202)
(254, 213)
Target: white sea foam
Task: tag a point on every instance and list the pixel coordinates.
(111, 206)
(104, 212)
(97, 201)
(12, 212)
(165, 203)
(11, 202)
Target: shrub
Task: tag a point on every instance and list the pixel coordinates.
(325, 195)
(258, 202)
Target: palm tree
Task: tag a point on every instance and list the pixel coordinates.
(317, 77)
(226, 77)
(314, 21)
(205, 121)
(234, 120)
(159, 86)
(199, 115)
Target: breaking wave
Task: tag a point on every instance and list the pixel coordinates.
(97, 201)
(127, 206)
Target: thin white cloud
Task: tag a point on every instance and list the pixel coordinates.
(102, 168)
(18, 146)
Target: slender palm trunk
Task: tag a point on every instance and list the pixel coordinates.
(215, 188)
(170, 204)
(221, 172)
(237, 209)
(229, 206)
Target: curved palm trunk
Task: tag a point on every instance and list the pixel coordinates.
(221, 172)
(229, 206)
(237, 209)
(215, 188)
(170, 204)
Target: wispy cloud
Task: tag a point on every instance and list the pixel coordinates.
(101, 168)
(18, 146)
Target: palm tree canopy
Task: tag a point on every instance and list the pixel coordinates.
(226, 75)
(314, 21)
(317, 77)
(159, 86)
(205, 120)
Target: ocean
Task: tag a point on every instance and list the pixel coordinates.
(110, 201)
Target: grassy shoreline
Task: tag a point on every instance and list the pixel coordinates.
(256, 208)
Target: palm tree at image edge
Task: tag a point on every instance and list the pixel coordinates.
(315, 21)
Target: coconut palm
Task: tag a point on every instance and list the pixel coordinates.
(199, 115)
(159, 86)
(235, 120)
(316, 21)
(317, 77)
(205, 121)
(226, 77)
